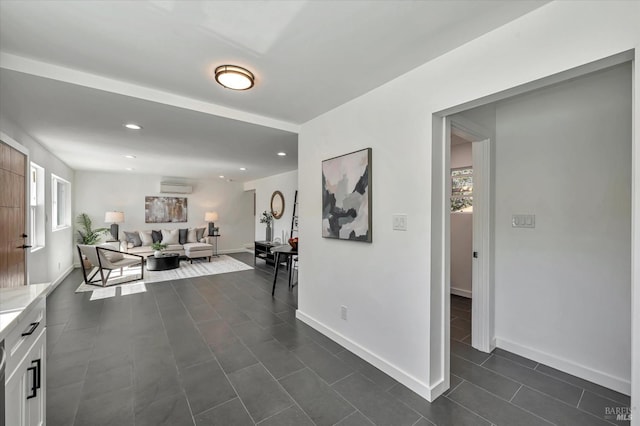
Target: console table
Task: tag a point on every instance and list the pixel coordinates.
(262, 250)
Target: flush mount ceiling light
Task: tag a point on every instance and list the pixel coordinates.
(234, 77)
(130, 156)
(243, 168)
(282, 154)
(133, 126)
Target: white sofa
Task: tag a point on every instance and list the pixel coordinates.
(193, 248)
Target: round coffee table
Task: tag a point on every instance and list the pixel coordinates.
(164, 262)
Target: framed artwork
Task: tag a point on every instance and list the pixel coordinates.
(165, 209)
(346, 196)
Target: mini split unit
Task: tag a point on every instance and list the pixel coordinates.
(175, 188)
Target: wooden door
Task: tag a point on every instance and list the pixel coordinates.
(12, 217)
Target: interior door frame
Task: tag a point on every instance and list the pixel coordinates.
(440, 256)
(27, 165)
(482, 330)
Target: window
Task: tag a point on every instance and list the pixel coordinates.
(462, 190)
(36, 206)
(60, 203)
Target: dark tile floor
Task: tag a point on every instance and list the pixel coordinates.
(506, 389)
(219, 350)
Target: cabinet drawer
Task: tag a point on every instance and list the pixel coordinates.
(25, 334)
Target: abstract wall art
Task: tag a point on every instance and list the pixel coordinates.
(165, 209)
(346, 196)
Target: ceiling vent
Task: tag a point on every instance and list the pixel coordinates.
(175, 188)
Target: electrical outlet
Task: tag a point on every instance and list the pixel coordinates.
(399, 222)
(343, 312)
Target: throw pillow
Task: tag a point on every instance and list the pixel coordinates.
(112, 256)
(133, 238)
(146, 238)
(191, 236)
(157, 236)
(199, 233)
(183, 236)
(170, 236)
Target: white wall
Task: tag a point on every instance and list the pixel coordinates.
(387, 284)
(461, 253)
(287, 183)
(98, 192)
(461, 232)
(53, 262)
(564, 288)
(461, 156)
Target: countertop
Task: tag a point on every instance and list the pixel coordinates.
(15, 302)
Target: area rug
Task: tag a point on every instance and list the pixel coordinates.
(218, 265)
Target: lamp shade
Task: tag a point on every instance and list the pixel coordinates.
(210, 216)
(114, 217)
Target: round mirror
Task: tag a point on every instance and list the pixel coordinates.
(277, 204)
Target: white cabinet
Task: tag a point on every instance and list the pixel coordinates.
(37, 404)
(25, 378)
(25, 387)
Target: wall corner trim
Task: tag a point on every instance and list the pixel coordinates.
(413, 383)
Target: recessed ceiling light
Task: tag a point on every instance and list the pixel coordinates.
(129, 156)
(221, 176)
(234, 77)
(130, 169)
(282, 154)
(243, 168)
(133, 126)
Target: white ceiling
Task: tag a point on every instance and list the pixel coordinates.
(174, 141)
(308, 57)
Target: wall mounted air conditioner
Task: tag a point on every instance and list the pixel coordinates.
(175, 188)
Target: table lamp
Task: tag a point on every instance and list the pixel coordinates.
(211, 217)
(114, 218)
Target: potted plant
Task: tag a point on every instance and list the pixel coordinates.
(88, 235)
(158, 247)
(267, 218)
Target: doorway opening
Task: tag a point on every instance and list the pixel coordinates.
(461, 218)
(537, 177)
(470, 230)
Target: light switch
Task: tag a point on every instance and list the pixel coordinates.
(523, 221)
(399, 222)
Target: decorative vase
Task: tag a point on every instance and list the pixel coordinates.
(157, 253)
(269, 233)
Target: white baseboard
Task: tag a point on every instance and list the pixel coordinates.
(413, 383)
(236, 250)
(61, 277)
(599, 377)
(461, 292)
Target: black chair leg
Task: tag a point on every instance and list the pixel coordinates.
(275, 274)
(290, 266)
